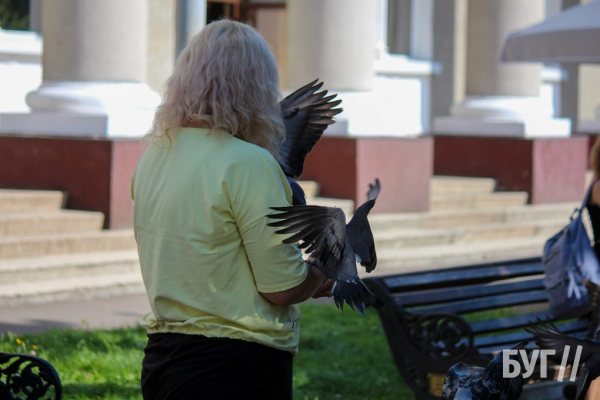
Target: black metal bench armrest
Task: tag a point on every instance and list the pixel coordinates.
(28, 376)
(441, 338)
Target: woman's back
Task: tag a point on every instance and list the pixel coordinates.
(205, 249)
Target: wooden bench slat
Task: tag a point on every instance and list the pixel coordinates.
(516, 337)
(486, 303)
(439, 296)
(467, 292)
(502, 346)
(516, 321)
(462, 275)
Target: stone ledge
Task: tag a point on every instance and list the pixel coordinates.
(550, 170)
(96, 173)
(344, 167)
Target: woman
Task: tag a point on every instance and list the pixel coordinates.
(220, 283)
(594, 204)
(593, 208)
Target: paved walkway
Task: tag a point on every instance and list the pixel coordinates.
(100, 313)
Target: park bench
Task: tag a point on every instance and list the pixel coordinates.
(434, 319)
(24, 376)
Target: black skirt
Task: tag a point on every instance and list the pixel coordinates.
(180, 366)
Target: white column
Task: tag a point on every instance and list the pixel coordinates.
(94, 63)
(191, 18)
(160, 50)
(382, 27)
(421, 32)
(333, 40)
(501, 98)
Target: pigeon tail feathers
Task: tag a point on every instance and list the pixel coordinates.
(355, 294)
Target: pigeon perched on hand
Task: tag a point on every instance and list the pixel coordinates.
(306, 114)
(548, 336)
(335, 246)
(467, 382)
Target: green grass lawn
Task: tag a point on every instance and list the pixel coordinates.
(342, 356)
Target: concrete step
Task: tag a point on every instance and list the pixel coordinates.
(461, 218)
(459, 184)
(510, 230)
(27, 200)
(65, 243)
(423, 258)
(476, 201)
(47, 268)
(415, 237)
(346, 205)
(311, 188)
(70, 288)
(537, 212)
(52, 221)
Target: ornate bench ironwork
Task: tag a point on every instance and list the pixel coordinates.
(24, 376)
(433, 318)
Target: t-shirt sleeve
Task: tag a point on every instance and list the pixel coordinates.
(257, 185)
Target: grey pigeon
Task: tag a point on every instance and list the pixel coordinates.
(306, 114)
(335, 246)
(467, 382)
(548, 336)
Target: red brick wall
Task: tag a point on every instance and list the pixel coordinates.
(95, 173)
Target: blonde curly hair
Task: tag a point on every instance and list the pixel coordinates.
(225, 79)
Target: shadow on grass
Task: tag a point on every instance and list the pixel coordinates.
(104, 391)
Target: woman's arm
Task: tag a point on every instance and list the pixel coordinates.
(595, 196)
(312, 286)
(280, 274)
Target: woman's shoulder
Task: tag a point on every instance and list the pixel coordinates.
(252, 154)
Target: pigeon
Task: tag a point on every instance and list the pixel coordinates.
(306, 114)
(335, 247)
(548, 336)
(593, 293)
(467, 382)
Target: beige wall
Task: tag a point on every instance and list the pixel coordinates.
(460, 47)
(272, 25)
(489, 22)
(589, 90)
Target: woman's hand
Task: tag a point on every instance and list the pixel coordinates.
(324, 290)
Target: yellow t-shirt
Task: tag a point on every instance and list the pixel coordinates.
(205, 249)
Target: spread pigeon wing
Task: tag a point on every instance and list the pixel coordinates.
(548, 336)
(306, 114)
(322, 231)
(360, 235)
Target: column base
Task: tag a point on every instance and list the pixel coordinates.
(503, 126)
(104, 109)
(589, 126)
(130, 124)
(395, 107)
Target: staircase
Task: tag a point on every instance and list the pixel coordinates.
(48, 253)
(468, 222)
